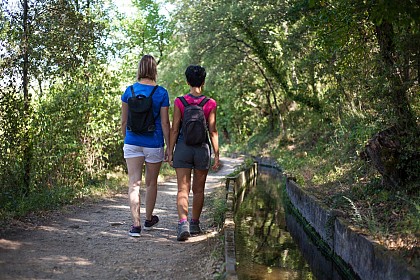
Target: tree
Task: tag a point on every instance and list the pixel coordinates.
(338, 61)
(147, 32)
(52, 51)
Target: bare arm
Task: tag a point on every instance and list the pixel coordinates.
(176, 122)
(164, 117)
(124, 116)
(214, 138)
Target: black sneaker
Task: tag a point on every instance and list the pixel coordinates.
(183, 231)
(195, 227)
(148, 224)
(135, 231)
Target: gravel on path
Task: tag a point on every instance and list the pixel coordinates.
(91, 241)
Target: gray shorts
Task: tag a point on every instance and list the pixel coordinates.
(197, 157)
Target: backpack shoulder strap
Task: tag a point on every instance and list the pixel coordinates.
(204, 101)
(153, 90)
(184, 102)
(132, 91)
(151, 95)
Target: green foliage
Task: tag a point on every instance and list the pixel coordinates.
(267, 58)
(306, 82)
(148, 32)
(217, 207)
(58, 139)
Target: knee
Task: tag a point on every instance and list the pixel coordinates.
(133, 189)
(151, 184)
(198, 191)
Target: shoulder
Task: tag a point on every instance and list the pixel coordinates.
(162, 94)
(126, 94)
(211, 103)
(178, 102)
(162, 89)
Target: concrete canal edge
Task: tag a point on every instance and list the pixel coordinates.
(347, 248)
(235, 186)
(229, 234)
(355, 255)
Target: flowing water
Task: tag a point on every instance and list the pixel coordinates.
(270, 244)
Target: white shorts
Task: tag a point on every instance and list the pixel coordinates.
(152, 155)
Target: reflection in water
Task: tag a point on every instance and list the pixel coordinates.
(264, 249)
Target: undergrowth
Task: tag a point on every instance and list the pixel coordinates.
(114, 181)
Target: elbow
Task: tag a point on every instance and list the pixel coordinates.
(213, 132)
(165, 126)
(123, 125)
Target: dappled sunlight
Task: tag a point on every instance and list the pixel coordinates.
(168, 184)
(112, 234)
(78, 220)
(49, 228)
(156, 211)
(117, 206)
(75, 243)
(10, 245)
(170, 191)
(64, 260)
(200, 237)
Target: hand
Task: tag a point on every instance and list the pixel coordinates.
(166, 158)
(216, 164)
(170, 159)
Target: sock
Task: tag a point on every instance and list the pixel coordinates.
(195, 221)
(182, 220)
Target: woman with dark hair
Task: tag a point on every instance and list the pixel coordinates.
(145, 148)
(186, 158)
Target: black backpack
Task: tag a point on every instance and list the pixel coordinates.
(140, 113)
(194, 124)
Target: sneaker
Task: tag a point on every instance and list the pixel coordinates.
(195, 227)
(148, 224)
(135, 231)
(183, 231)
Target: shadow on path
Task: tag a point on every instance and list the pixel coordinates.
(91, 242)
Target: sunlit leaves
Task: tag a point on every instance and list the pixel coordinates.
(71, 134)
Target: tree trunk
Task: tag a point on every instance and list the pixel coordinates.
(398, 90)
(27, 150)
(383, 152)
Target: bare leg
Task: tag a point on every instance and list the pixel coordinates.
(152, 173)
(199, 182)
(184, 185)
(134, 166)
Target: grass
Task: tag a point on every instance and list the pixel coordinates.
(46, 199)
(216, 207)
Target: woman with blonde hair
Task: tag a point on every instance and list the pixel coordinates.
(145, 148)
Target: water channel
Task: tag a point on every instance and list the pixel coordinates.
(270, 243)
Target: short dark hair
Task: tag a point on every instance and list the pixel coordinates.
(196, 75)
(147, 68)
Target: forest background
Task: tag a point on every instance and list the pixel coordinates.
(329, 89)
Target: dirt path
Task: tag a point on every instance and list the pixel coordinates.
(91, 242)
